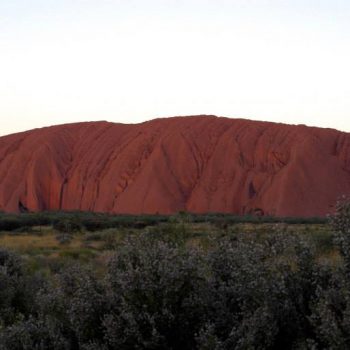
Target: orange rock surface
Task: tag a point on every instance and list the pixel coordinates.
(199, 164)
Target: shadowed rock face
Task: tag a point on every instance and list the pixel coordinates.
(199, 164)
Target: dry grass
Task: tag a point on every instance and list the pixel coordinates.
(27, 242)
(42, 241)
(31, 243)
(332, 258)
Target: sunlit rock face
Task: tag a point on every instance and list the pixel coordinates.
(198, 164)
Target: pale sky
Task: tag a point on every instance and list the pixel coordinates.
(134, 60)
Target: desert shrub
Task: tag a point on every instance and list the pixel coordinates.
(175, 231)
(206, 339)
(32, 334)
(157, 296)
(258, 298)
(17, 290)
(112, 237)
(85, 302)
(331, 306)
(68, 225)
(331, 313)
(73, 305)
(323, 240)
(95, 224)
(340, 222)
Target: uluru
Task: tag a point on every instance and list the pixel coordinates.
(199, 164)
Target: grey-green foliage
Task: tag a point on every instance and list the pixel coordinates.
(158, 295)
(32, 334)
(15, 297)
(341, 225)
(258, 299)
(331, 307)
(162, 295)
(241, 292)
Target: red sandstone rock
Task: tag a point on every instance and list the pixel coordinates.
(199, 164)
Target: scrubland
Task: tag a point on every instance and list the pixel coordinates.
(95, 281)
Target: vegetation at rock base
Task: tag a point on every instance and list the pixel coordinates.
(70, 222)
(174, 283)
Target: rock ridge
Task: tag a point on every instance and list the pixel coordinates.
(198, 163)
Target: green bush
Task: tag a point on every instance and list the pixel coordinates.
(69, 226)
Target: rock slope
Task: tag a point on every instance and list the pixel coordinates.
(199, 164)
